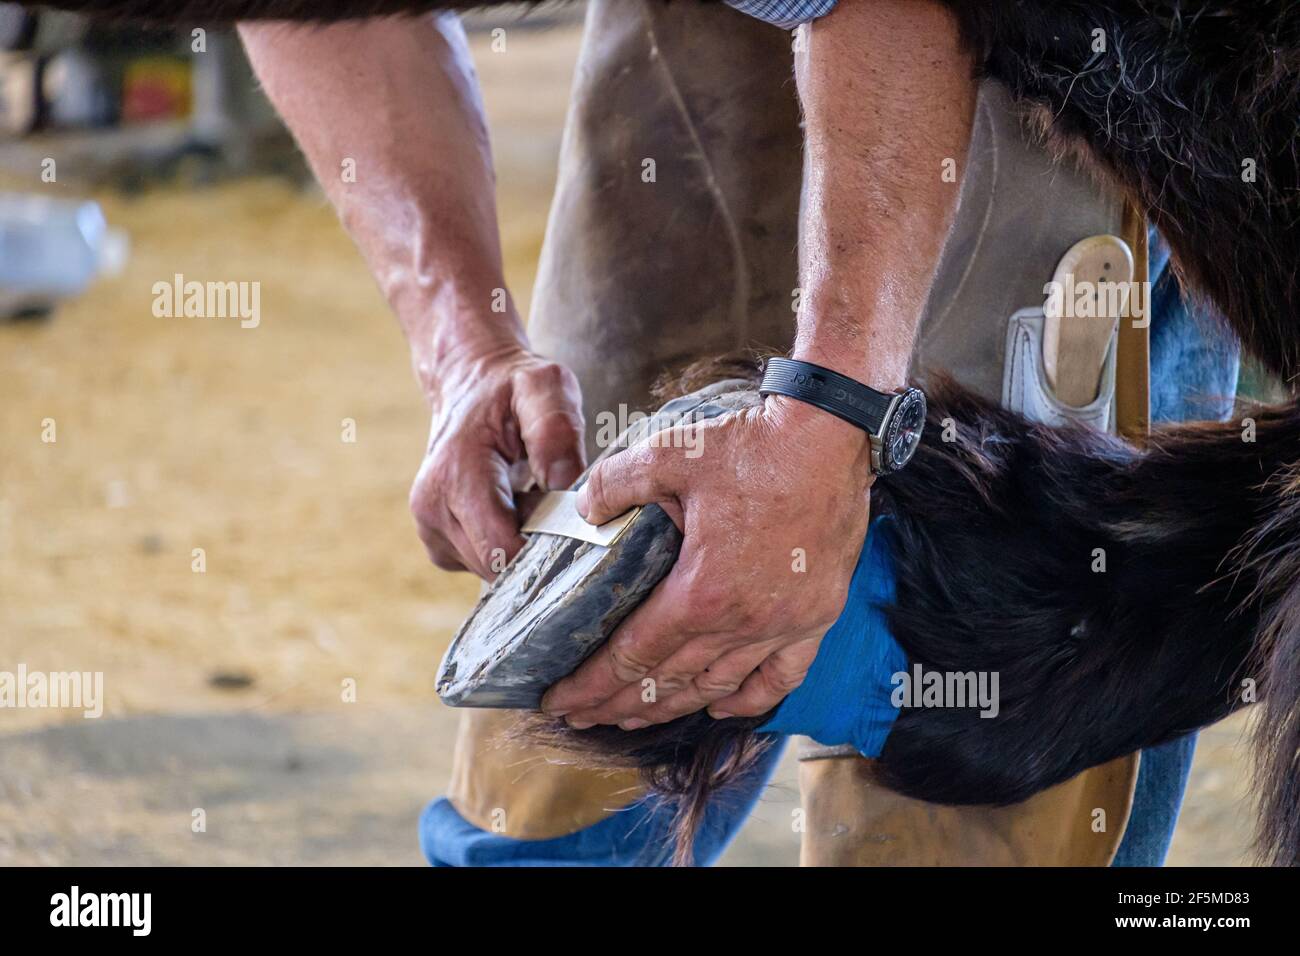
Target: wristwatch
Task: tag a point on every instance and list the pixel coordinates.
(893, 423)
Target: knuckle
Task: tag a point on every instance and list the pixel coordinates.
(441, 553)
(545, 371)
(627, 661)
(666, 684)
(714, 685)
(490, 546)
(428, 499)
(548, 376)
(443, 561)
(426, 510)
(783, 682)
(564, 376)
(597, 496)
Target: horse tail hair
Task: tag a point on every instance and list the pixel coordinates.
(1273, 552)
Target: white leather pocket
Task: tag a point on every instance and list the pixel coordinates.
(1024, 379)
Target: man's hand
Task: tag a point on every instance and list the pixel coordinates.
(490, 413)
(888, 93)
(774, 512)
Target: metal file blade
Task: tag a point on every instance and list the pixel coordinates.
(558, 514)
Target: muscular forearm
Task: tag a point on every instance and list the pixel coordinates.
(888, 97)
(389, 116)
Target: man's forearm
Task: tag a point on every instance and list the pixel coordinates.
(389, 116)
(888, 97)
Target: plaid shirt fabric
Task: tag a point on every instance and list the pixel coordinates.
(786, 14)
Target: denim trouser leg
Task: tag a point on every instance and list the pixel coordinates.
(1195, 360)
(1194, 367)
(638, 835)
(1162, 778)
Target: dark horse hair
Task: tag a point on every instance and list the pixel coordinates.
(1191, 107)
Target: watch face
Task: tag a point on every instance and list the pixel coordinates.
(903, 433)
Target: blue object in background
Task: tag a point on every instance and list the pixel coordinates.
(52, 249)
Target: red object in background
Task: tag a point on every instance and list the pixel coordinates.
(156, 88)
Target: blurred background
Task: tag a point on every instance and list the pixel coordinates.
(127, 157)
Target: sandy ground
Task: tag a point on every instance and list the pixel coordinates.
(224, 689)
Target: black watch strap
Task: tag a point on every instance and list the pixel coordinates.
(830, 391)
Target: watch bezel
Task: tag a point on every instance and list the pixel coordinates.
(889, 431)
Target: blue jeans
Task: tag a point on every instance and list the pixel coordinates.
(637, 835)
(1194, 364)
